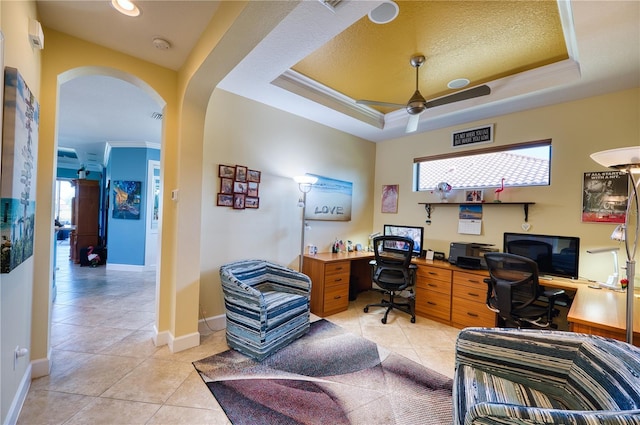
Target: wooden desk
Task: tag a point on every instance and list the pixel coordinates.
(461, 303)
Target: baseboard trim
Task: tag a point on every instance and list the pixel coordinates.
(215, 323)
(20, 397)
(41, 367)
(184, 342)
(160, 338)
(126, 267)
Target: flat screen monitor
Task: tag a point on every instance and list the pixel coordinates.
(412, 232)
(555, 255)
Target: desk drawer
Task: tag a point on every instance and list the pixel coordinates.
(477, 293)
(434, 273)
(433, 304)
(336, 299)
(469, 279)
(336, 280)
(467, 313)
(337, 267)
(431, 284)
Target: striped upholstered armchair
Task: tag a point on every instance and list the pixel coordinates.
(516, 376)
(267, 306)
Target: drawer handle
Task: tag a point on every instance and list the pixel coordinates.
(474, 281)
(433, 273)
(338, 268)
(472, 314)
(431, 303)
(338, 279)
(472, 294)
(337, 297)
(432, 285)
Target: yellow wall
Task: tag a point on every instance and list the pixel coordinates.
(63, 58)
(577, 129)
(281, 146)
(16, 296)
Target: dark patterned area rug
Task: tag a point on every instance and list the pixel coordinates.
(329, 376)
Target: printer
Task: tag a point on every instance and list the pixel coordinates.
(469, 255)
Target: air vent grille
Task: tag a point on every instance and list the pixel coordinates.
(331, 4)
(156, 116)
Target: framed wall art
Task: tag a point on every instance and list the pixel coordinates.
(329, 200)
(390, 198)
(19, 166)
(126, 199)
(238, 187)
(604, 197)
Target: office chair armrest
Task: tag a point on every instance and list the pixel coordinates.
(413, 266)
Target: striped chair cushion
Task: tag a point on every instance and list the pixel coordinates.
(267, 306)
(544, 377)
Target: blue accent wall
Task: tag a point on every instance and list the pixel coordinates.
(126, 237)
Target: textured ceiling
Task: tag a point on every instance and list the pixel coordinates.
(478, 40)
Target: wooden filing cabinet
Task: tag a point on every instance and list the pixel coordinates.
(433, 293)
(469, 301)
(330, 285)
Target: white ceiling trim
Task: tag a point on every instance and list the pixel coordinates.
(304, 86)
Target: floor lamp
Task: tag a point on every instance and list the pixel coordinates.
(305, 184)
(627, 160)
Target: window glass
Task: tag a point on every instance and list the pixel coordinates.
(519, 165)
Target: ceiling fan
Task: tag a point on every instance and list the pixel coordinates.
(418, 104)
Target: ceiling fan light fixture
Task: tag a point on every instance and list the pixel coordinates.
(385, 13)
(126, 7)
(458, 83)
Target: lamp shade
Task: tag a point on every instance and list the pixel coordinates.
(305, 179)
(621, 158)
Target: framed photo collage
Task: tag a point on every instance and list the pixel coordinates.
(239, 187)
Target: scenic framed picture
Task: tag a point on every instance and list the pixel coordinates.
(390, 198)
(241, 173)
(238, 201)
(251, 202)
(253, 176)
(126, 199)
(225, 200)
(226, 171)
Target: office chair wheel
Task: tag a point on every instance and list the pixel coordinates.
(366, 309)
(413, 320)
(384, 320)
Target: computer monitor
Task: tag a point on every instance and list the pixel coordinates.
(555, 255)
(413, 232)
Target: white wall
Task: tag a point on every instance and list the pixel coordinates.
(16, 288)
(577, 129)
(280, 145)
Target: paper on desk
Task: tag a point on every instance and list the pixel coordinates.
(470, 227)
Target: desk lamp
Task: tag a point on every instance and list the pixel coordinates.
(305, 184)
(612, 281)
(626, 160)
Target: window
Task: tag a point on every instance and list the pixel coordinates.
(64, 197)
(524, 164)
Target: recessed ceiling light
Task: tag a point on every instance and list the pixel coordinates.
(458, 83)
(385, 13)
(126, 7)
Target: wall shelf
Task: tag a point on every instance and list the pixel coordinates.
(428, 206)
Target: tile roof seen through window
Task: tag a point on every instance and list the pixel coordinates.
(484, 170)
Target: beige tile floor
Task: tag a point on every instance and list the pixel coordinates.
(106, 369)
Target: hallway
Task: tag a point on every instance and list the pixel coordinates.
(106, 369)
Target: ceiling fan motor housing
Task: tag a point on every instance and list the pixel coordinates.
(417, 104)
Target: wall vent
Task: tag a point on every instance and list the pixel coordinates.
(156, 116)
(331, 4)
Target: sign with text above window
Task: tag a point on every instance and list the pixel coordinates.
(472, 136)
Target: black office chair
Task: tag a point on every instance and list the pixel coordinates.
(393, 272)
(514, 293)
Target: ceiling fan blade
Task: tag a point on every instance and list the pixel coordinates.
(412, 124)
(461, 95)
(376, 103)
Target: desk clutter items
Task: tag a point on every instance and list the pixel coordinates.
(239, 187)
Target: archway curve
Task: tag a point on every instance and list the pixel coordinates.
(84, 71)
